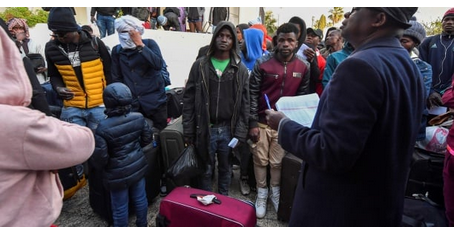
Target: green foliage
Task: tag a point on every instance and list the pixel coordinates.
(33, 17)
(270, 23)
(336, 14)
(433, 28)
(321, 23)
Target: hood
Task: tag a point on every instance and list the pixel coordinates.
(235, 49)
(302, 24)
(117, 99)
(16, 89)
(253, 39)
(265, 34)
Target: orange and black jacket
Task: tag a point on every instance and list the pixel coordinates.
(86, 80)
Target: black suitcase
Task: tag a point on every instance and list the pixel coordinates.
(71, 181)
(291, 167)
(420, 211)
(99, 195)
(172, 144)
(426, 175)
(153, 175)
(174, 102)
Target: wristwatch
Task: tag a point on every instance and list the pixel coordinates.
(140, 48)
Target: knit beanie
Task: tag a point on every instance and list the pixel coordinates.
(416, 31)
(450, 12)
(62, 19)
(162, 20)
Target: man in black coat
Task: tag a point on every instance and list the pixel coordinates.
(357, 154)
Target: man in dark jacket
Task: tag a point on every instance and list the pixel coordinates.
(218, 14)
(282, 73)
(137, 63)
(437, 50)
(170, 19)
(357, 154)
(118, 153)
(105, 17)
(216, 105)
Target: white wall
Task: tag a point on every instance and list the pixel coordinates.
(179, 49)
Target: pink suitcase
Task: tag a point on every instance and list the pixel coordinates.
(179, 209)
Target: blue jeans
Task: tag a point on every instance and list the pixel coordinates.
(105, 23)
(88, 117)
(119, 201)
(220, 138)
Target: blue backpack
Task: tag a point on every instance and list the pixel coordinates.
(164, 72)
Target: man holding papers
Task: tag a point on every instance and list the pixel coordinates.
(357, 153)
(277, 74)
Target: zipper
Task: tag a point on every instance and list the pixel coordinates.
(283, 79)
(217, 100)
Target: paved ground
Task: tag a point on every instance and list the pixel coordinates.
(77, 212)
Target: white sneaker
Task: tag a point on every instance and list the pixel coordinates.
(260, 203)
(274, 196)
(244, 187)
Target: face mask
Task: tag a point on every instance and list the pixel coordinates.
(126, 41)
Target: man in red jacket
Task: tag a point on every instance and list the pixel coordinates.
(277, 74)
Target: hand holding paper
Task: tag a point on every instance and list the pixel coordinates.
(300, 108)
(273, 118)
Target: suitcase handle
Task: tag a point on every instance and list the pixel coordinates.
(215, 199)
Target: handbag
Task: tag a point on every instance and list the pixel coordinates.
(37, 60)
(187, 165)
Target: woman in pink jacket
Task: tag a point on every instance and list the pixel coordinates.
(32, 146)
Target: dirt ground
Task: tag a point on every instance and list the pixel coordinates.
(76, 211)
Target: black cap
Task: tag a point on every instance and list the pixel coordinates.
(400, 14)
(317, 32)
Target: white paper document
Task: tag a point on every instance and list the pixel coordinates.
(437, 110)
(300, 108)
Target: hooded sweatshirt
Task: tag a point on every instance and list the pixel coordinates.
(32, 144)
(253, 44)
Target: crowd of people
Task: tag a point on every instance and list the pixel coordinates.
(356, 157)
(165, 18)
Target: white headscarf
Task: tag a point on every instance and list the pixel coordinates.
(124, 24)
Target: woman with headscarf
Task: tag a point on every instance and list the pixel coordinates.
(21, 34)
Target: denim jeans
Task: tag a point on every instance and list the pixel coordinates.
(220, 138)
(105, 23)
(87, 117)
(244, 155)
(119, 201)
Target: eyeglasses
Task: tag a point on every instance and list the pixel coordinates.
(60, 35)
(18, 28)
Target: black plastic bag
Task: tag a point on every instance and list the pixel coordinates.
(187, 165)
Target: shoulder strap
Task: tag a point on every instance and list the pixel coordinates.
(94, 43)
